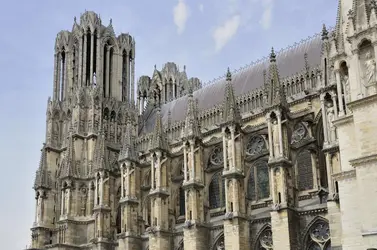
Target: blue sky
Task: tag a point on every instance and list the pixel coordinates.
(205, 35)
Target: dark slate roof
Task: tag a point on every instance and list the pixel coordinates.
(289, 61)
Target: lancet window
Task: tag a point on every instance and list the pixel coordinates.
(258, 183)
(217, 191)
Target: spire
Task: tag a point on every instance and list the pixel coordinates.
(68, 167)
(274, 92)
(192, 127)
(43, 176)
(100, 153)
(231, 113)
(325, 33)
(128, 152)
(158, 140)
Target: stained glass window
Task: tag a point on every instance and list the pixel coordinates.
(259, 181)
(305, 171)
(251, 185)
(217, 191)
(263, 180)
(182, 203)
(319, 236)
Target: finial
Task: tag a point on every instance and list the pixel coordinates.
(74, 19)
(325, 33)
(111, 21)
(184, 67)
(155, 67)
(228, 75)
(272, 55)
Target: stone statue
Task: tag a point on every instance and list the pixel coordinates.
(346, 86)
(230, 153)
(94, 79)
(330, 118)
(220, 246)
(275, 138)
(370, 68)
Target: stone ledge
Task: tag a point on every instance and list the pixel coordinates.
(343, 120)
(369, 232)
(345, 175)
(361, 103)
(360, 161)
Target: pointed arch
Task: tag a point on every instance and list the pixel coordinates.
(317, 235)
(264, 238)
(219, 241)
(216, 191)
(258, 184)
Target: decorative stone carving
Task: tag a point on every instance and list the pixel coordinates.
(370, 68)
(266, 240)
(330, 118)
(347, 90)
(320, 232)
(299, 133)
(256, 145)
(275, 138)
(217, 157)
(220, 245)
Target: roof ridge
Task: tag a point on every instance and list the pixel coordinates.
(264, 58)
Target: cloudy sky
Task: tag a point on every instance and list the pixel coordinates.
(205, 35)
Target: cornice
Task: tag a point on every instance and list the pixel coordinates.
(363, 160)
(343, 120)
(345, 175)
(361, 103)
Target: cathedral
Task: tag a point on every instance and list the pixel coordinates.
(278, 155)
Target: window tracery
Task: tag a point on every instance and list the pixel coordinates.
(299, 133)
(319, 236)
(304, 170)
(217, 191)
(265, 240)
(182, 202)
(259, 182)
(255, 145)
(216, 157)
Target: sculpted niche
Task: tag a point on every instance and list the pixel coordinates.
(368, 67)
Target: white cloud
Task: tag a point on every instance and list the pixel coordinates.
(181, 14)
(201, 7)
(224, 33)
(266, 18)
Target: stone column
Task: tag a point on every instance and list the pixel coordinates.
(85, 51)
(233, 147)
(91, 58)
(36, 210)
(56, 96)
(132, 80)
(69, 201)
(152, 172)
(122, 180)
(340, 94)
(96, 192)
(62, 203)
(280, 134)
(80, 66)
(192, 160)
(158, 170)
(333, 97)
(101, 190)
(59, 79)
(107, 77)
(185, 162)
(225, 152)
(270, 137)
(324, 119)
(329, 173)
(128, 190)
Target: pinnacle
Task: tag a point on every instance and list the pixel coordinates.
(228, 75)
(272, 55)
(325, 33)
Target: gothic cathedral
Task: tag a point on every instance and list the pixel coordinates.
(278, 155)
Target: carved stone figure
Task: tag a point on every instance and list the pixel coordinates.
(275, 138)
(220, 245)
(347, 91)
(330, 118)
(370, 68)
(230, 153)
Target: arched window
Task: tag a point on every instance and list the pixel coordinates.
(182, 203)
(304, 170)
(217, 191)
(264, 241)
(259, 182)
(318, 236)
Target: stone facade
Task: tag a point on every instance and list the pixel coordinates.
(278, 155)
